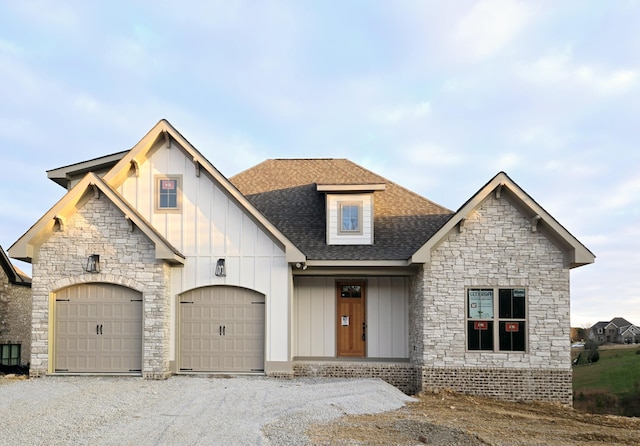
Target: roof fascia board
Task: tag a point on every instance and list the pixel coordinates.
(61, 175)
(118, 174)
(576, 254)
(357, 271)
(24, 247)
(350, 187)
(357, 263)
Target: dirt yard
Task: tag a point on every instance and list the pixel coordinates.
(453, 419)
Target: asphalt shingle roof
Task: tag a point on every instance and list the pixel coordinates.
(284, 190)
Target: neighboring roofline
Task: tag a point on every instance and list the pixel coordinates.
(163, 129)
(15, 276)
(67, 206)
(576, 254)
(61, 175)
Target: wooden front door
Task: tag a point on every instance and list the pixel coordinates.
(351, 323)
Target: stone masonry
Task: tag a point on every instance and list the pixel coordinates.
(127, 258)
(495, 248)
(15, 316)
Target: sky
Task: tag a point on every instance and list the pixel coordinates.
(437, 96)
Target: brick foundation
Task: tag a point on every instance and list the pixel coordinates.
(504, 384)
(404, 376)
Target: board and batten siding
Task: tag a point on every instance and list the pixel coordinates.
(315, 317)
(211, 225)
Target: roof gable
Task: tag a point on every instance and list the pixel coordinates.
(576, 254)
(164, 132)
(91, 184)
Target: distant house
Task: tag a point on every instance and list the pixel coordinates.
(617, 331)
(297, 267)
(15, 314)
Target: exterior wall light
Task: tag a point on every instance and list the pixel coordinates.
(220, 268)
(93, 263)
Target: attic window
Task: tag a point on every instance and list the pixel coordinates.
(350, 218)
(168, 193)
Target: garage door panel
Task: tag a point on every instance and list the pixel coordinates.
(98, 329)
(215, 325)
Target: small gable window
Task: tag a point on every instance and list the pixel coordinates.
(168, 193)
(351, 218)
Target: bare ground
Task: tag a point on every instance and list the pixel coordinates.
(453, 419)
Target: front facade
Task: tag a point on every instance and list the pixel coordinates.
(154, 264)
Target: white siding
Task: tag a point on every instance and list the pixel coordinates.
(210, 226)
(315, 317)
(333, 217)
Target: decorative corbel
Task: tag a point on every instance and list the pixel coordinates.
(461, 224)
(96, 191)
(499, 190)
(534, 223)
(167, 139)
(135, 165)
(197, 166)
(59, 221)
(132, 225)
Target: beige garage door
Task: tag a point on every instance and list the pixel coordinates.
(98, 329)
(222, 330)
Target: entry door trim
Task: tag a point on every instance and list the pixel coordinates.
(351, 333)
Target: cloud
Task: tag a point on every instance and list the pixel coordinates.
(624, 195)
(490, 26)
(560, 68)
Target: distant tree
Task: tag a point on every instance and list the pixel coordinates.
(591, 351)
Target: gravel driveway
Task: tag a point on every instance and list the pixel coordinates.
(185, 410)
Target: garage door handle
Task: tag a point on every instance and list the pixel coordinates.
(224, 329)
(97, 329)
(100, 328)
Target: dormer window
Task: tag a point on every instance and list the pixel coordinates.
(350, 212)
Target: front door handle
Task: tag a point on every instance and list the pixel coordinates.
(364, 331)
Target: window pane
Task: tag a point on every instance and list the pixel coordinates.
(512, 336)
(480, 335)
(351, 291)
(512, 303)
(505, 303)
(350, 218)
(480, 303)
(168, 194)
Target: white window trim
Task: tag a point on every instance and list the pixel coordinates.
(156, 191)
(496, 319)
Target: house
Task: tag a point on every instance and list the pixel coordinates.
(617, 331)
(15, 314)
(154, 264)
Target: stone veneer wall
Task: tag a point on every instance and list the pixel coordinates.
(15, 316)
(404, 376)
(496, 248)
(127, 258)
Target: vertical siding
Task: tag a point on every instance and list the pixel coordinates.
(211, 226)
(315, 317)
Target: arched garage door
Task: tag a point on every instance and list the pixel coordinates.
(221, 330)
(98, 329)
